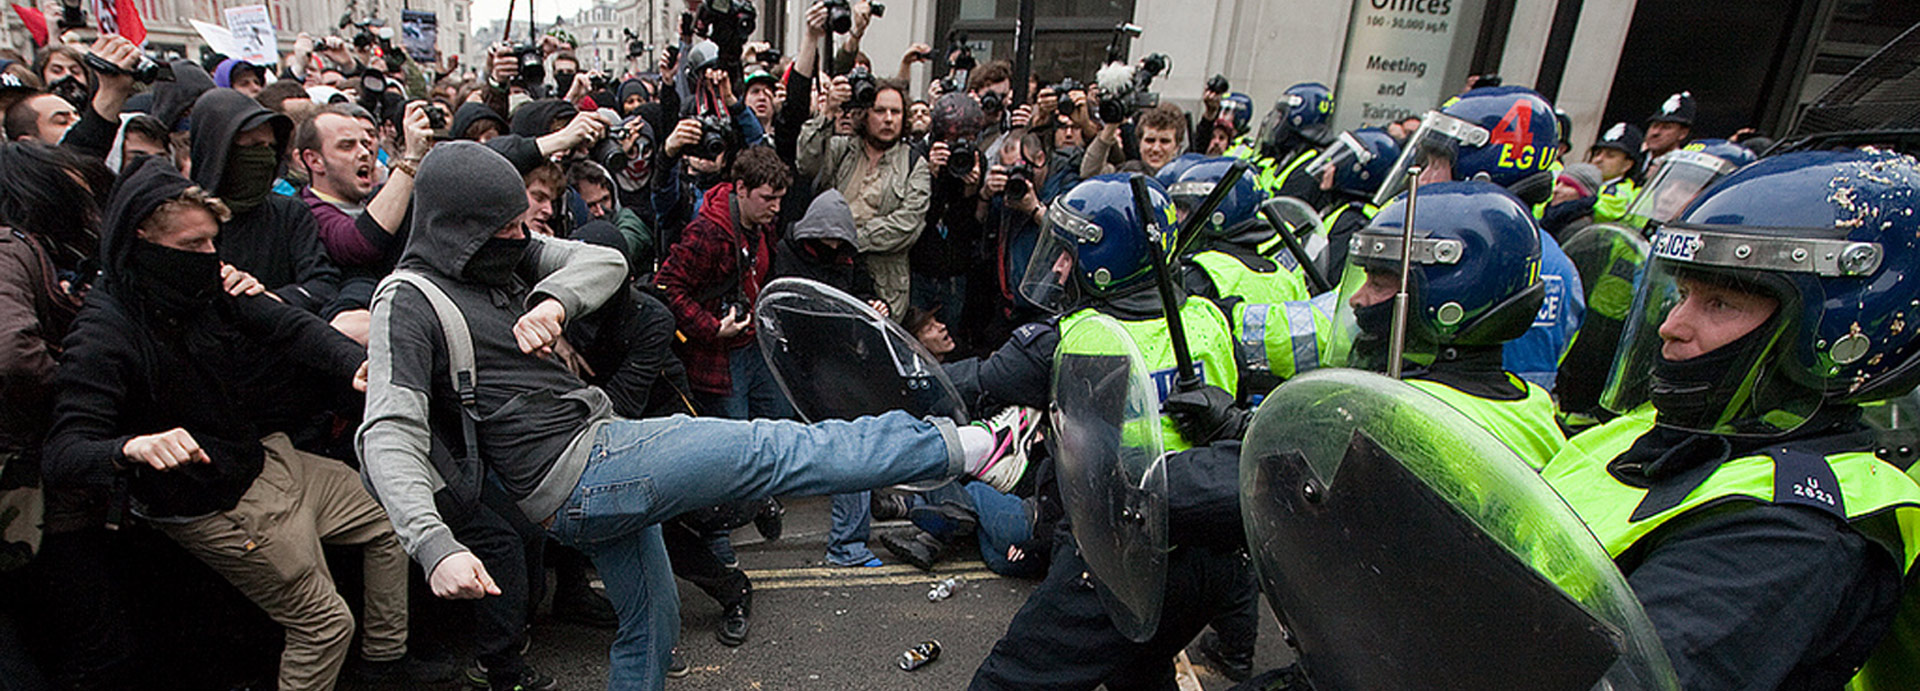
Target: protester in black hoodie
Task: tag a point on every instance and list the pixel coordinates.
(237, 149)
(820, 246)
(155, 387)
(471, 114)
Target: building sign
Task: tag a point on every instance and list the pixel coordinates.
(419, 34)
(253, 36)
(1403, 58)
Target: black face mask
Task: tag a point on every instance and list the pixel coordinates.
(174, 281)
(563, 81)
(1694, 393)
(72, 90)
(494, 262)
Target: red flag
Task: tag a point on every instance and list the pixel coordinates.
(35, 22)
(130, 24)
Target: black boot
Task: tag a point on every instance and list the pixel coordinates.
(733, 622)
(916, 548)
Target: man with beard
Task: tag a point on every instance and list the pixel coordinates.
(361, 229)
(236, 146)
(884, 183)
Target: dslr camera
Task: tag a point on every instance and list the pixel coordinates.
(635, 46)
(733, 17)
(865, 88)
(533, 69)
(147, 71)
(1065, 104)
(961, 156)
(1019, 181)
(961, 56)
(714, 133)
(840, 14)
(1135, 93)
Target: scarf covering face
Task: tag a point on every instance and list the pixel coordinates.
(249, 177)
(494, 262)
(175, 282)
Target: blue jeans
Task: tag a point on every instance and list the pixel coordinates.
(642, 472)
(852, 525)
(755, 392)
(1003, 523)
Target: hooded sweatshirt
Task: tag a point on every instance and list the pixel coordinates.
(536, 118)
(803, 254)
(133, 367)
(714, 264)
(277, 241)
(470, 113)
(535, 418)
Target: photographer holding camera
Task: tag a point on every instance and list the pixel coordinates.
(882, 180)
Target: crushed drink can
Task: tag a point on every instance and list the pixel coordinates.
(918, 656)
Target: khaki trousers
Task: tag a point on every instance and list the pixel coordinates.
(268, 546)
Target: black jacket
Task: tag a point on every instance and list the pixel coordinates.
(278, 242)
(130, 369)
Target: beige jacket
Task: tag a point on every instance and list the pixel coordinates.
(887, 215)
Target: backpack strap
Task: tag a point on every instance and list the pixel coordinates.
(460, 360)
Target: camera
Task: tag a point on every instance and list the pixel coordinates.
(147, 71)
(714, 132)
(961, 56)
(839, 16)
(600, 82)
(673, 55)
(1064, 103)
(610, 152)
(533, 69)
(1218, 84)
(1130, 92)
(770, 57)
(1019, 181)
(732, 17)
(865, 88)
(961, 157)
(635, 46)
(993, 104)
(437, 121)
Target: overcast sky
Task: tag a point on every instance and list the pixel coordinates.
(485, 11)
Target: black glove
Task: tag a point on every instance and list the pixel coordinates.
(1206, 415)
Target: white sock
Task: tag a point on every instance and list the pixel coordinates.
(976, 443)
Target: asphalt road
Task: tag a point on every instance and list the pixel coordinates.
(817, 626)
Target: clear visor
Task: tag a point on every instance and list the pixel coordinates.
(1730, 302)
(1189, 195)
(1048, 280)
(1439, 139)
(1343, 152)
(1350, 345)
(1682, 175)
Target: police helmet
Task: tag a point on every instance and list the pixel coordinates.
(1302, 117)
(1239, 108)
(1170, 173)
(1094, 243)
(1831, 239)
(1680, 176)
(1503, 134)
(1239, 210)
(1624, 138)
(1360, 160)
(1473, 277)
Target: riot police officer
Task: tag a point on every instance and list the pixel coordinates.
(1291, 135)
(1094, 259)
(1738, 491)
(1350, 171)
(1504, 134)
(1229, 262)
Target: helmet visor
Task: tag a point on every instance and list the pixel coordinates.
(1048, 281)
(1682, 175)
(1345, 152)
(1709, 340)
(1439, 139)
(1189, 195)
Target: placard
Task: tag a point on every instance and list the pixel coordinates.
(254, 39)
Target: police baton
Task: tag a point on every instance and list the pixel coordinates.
(1185, 379)
(1319, 282)
(1196, 219)
(1397, 341)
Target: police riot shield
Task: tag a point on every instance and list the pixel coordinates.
(1404, 547)
(1291, 214)
(1609, 257)
(838, 359)
(1109, 443)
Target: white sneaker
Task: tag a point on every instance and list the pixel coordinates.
(1013, 429)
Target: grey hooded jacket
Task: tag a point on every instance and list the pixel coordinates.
(536, 418)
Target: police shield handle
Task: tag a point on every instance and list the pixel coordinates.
(1299, 252)
(1397, 342)
(1186, 379)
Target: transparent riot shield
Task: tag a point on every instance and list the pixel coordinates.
(1306, 225)
(1406, 548)
(1609, 258)
(1106, 422)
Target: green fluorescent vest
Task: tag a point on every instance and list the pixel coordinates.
(1284, 338)
(1869, 489)
(1207, 338)
(1526, 426)
(1614, 200)
(1233, 278)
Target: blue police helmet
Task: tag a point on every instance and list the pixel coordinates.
(1302, 116)
(1831, 237)
(1238, 211)
(1724, 150)
(1095, 243)
(1474, 279)
(1238, 107)
(1503, 134)
(1360, 160)
(1170, 173)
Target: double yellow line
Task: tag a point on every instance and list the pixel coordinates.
(891, 574)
